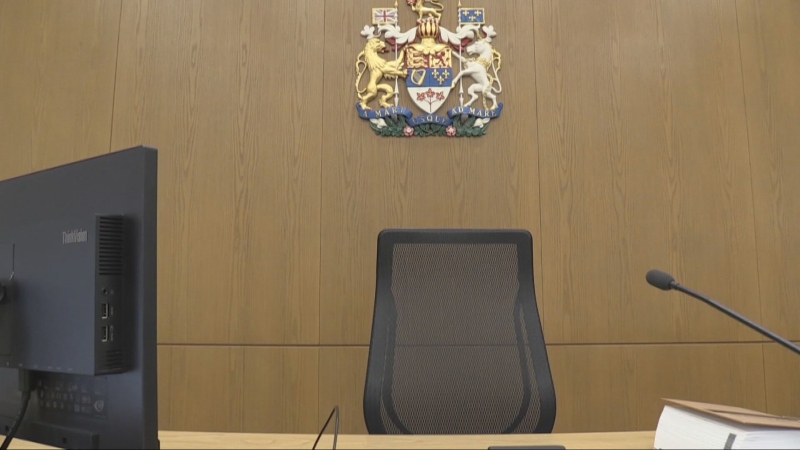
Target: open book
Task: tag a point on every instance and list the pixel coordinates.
(694, 425)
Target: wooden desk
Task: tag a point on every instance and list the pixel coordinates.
(197, 440)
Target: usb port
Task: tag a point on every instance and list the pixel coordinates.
(104, 311)
(104, 333)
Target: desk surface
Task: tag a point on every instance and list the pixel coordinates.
(197, 440)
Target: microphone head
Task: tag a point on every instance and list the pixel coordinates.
(659, 279)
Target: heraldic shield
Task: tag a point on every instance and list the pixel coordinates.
(430, 61)
(429, 68)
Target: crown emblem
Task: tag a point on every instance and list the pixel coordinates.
(432, 61)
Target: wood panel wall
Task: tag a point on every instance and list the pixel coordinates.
(635, 135)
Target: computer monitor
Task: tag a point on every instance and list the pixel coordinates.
(78, 306)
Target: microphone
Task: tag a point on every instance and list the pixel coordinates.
(665, 282)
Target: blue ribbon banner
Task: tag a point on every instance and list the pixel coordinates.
(428, 118)
(383, 112)
(477, 112)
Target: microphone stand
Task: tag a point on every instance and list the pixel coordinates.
(784, 342)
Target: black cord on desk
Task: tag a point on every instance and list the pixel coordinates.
(26, 386)
(335, 427)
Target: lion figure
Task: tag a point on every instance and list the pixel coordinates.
(369, 59)
(418, 6)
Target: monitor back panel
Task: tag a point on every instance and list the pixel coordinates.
(80, 240)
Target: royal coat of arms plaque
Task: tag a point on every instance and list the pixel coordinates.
(430, 62)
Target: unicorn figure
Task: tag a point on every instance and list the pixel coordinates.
(482, 66)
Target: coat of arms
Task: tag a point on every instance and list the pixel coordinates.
(426, 58)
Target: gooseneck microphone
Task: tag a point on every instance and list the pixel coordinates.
(665, 282)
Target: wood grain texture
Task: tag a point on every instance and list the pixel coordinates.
(242, 389)
(770, 45)
(370, 183)
(164, 364)
(729, 374)
(781, 372)
(231, 94)
(57, 64)
(203, 387)
(342, 377)
(620, 387)
(644, 165)
(626, 143)
(281, 392)
(594, 387)
(188, 440)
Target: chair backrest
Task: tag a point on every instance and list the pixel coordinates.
(457, 344)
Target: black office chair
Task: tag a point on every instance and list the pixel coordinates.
(457, 345)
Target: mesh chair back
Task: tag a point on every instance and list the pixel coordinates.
(457, 345)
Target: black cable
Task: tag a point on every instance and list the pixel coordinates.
(25, 386)
(5, 289)
(335, 427)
